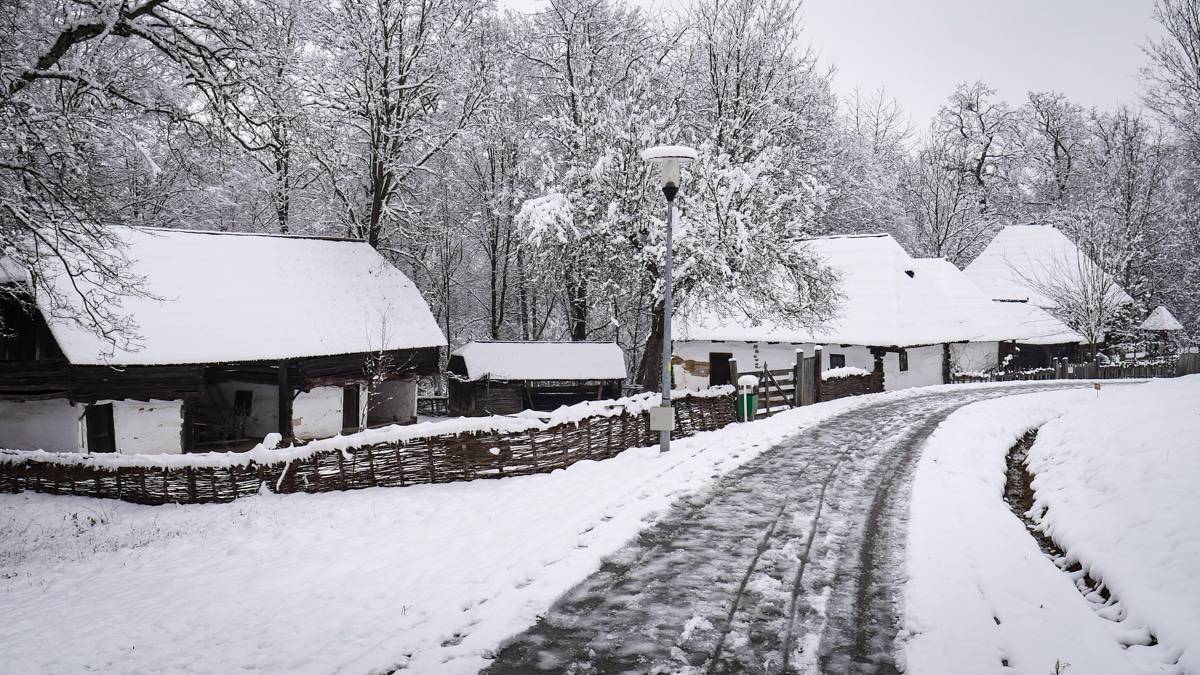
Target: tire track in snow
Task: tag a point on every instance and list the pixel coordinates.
(730, 580)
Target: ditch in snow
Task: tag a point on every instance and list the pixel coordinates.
(1019, 495)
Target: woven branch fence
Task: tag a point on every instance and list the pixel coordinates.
(1186, 364)
(433, 459)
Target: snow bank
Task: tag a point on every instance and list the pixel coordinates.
(1116, 490)
(980, 592)
(268, 453)
(429, 577)
(844, 371)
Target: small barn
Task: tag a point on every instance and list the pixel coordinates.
(502, 378)
(236, 336)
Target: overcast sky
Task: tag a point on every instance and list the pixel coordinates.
(919, 49)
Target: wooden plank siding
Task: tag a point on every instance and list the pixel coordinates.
(56, 378)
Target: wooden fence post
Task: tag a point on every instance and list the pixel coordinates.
(764, 389)
(797, 378)
(818, 352)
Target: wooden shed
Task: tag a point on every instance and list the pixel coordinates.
(501, 378)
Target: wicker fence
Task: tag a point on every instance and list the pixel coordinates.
(431, 459)
(1185, 364)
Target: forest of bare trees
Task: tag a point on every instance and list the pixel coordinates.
(493, 156)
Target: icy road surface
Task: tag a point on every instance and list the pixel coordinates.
(788, 564)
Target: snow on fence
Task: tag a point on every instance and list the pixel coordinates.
(439, 452)
(1187, 364)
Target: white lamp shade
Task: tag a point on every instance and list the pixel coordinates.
(669, 159)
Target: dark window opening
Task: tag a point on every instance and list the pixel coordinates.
(350, 405)
(718, 369)
(243, 402)
(837, 360)
(100, 433)
(903, 361)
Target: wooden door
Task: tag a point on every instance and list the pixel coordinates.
(101, 436)
(718, 368)
(350, 405)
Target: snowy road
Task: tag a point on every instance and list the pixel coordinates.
(788, 564)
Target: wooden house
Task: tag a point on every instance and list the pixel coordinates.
(914, 320)
(501, 378)
(234, 336)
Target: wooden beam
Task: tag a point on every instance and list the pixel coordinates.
(285, 400)
(187, 433)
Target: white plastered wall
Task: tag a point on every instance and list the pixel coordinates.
(148, 428)
(317, 413)
(393, 401)
(52, 425)
(924, 368)
(752, 356)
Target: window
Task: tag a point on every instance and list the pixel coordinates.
(837, 360)
(903, 361)
(243, 402)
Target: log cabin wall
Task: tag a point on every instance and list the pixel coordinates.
(503, 397)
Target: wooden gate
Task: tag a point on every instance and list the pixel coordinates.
(809, 370)
(785, 388)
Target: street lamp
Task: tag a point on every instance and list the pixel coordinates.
(669, 159)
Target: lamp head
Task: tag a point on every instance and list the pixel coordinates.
(669, 158)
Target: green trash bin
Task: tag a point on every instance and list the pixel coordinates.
(747, 401)
(747, 406)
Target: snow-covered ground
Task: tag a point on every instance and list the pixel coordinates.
(428, 577)
(1115, 489)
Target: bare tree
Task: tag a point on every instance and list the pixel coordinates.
(1173, 77)
(82, 87)
(397, 94)
(942, 205)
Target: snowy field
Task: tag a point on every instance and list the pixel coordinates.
(432, 578)
(1115, 490)
(426, 577)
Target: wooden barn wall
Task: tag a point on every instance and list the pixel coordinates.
(55, 378)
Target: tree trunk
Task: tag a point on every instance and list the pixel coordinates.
(650, 372)
(577, 306)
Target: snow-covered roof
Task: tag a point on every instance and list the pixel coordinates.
(221, 297)
(1020, 253)
(889, 300)
(543, 360)
(1161, 319)
(996, 320)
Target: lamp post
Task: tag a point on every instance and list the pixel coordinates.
(669, 159)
